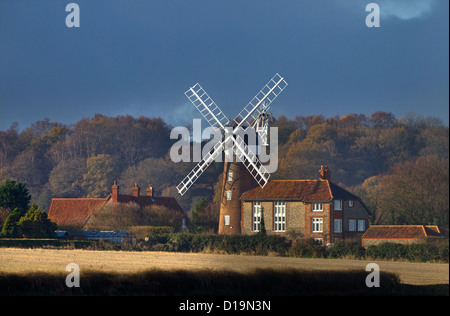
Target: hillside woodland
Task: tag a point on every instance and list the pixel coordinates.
(398, 166)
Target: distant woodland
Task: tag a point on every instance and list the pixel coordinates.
(398, 166)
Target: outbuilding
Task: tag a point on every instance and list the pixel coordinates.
(400, 234)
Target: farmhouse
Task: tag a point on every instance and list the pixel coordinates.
(401, 234)
(75, 212)
(317, 209)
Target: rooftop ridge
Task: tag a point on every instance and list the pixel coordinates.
(298, 180)
(78, 199)
(395, 225)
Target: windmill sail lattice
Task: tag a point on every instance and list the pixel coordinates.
(189, 180)
(207, 107)
(261, 102)
(253, 165)
(216, 118)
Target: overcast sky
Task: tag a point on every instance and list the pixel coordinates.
(139, 57)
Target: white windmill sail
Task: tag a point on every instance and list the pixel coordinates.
(249, 115)
(216, 118)
(189, 180)
(251, 162)
(261, 102)
(207, 107)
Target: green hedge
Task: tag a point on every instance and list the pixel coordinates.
(431, 250)
(41, 243)
(428, 251)
(256, 244)
(343, 249)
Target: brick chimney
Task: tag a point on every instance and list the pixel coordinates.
(150, 191)
(115, 192)
(136, 190)
(324, 173)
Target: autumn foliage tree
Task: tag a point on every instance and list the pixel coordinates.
(413, 192)
(125, 216)
(101, 171)
(365, 153)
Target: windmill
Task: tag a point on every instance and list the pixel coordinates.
(244, 163)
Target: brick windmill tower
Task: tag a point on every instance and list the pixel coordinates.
(242, 168)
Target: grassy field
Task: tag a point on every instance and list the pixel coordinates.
(40, 264)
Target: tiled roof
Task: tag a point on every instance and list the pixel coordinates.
(73, 212)
(340, 193)
(143, 200)
(302, 190)
(401, 231)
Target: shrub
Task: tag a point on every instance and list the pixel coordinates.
(387, 250)
(35, 224)
(142, 232)
(255, 244)
(342, 249)
(307, 248)
(430, 250)
(45, 243)
(443, 250)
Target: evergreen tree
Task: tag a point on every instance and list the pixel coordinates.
(35, 224)
(14, 195)
(10, 226)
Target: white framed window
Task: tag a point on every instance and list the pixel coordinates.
(317, 207)
(338, 225)
(352, 225)
(350, 203)
(317, 225)
(338, 205)
(279, 216)
(226, 220)
(256, 216)
(361, 225)
(228, 193)
(230, 176)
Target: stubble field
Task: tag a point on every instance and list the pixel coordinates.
(14, 260)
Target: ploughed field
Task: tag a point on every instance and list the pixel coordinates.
(20, 261)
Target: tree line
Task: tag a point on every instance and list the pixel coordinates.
(399, 166)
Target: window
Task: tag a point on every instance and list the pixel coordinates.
(361, 225)
(228, 195)
(227, 220)
(230, 176)
(350, 203)
(352, 225)
(338, 225)
(256, 216)
(317, 207)
(338, 205)
(318, 241)
(317, 225)
(279, 215)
